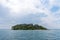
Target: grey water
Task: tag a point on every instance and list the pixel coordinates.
(29, 34)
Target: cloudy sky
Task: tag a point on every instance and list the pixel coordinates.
(43, 12)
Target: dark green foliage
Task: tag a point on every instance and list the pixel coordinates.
(28, 27)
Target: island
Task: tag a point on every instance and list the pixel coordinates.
(28, 27)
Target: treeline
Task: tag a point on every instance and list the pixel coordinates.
(28, 27)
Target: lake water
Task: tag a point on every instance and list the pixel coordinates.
(29, 34)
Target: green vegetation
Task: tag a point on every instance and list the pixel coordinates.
(28, 27)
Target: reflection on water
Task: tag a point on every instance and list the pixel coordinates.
(29, 34)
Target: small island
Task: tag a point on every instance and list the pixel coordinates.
(28, 27)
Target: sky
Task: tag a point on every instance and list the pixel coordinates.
(42, 12)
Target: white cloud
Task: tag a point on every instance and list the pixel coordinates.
(21, 8)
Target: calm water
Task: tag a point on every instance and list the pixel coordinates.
(29, 34)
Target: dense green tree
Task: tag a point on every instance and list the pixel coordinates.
(28, 27)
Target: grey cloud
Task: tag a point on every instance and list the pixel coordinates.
(32, 18)
(3, 11)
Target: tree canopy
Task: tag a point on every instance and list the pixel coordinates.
(28, 27)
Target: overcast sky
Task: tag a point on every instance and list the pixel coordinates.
(43, 12)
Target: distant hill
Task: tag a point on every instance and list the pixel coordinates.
(28, 27)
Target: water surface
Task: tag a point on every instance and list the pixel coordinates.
(29, 34)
